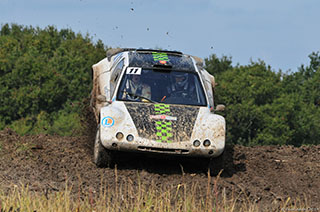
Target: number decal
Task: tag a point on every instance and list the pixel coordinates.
(134, 70)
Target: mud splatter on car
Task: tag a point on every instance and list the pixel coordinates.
(157, 102)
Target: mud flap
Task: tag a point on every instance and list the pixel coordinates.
(102, 157)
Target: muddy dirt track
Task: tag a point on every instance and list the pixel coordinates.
(266, 175)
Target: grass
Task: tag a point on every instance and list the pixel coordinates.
(24, 147)
(133, 196)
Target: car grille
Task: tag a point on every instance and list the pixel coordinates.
(163, 150)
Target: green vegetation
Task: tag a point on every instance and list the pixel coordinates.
(266, 107)
(45, 77)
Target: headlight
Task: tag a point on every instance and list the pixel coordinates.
(206, 143)
(130, 137)
(119, 135)
(196, 143)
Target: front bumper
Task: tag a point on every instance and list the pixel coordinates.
(178, 148)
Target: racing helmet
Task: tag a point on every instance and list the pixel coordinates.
(180, 79)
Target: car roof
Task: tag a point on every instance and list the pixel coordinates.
(159, 59)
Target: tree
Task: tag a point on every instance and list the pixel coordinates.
(43, 71)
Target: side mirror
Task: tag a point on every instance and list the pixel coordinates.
(101, 98)
(218, 108)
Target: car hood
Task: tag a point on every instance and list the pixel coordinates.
(163, 122)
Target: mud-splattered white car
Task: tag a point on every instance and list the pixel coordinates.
(157, 102)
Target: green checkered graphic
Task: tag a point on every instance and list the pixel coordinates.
(157, 56)
(164, 127)
(161, 109)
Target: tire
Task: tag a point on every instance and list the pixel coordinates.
(102, 157)
(217, 164)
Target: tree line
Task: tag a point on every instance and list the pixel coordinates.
(45, 75)
(265, 107)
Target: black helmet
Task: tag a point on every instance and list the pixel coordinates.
(181, 83)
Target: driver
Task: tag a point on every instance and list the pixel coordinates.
(180, 86)
(135, 86)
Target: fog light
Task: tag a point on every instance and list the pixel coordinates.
(196, 143)
(130, 137)
(119, 135)
(206, 143)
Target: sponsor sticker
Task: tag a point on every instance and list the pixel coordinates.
(163, 117)
(107, 121)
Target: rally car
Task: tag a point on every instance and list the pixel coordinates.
(156, 102)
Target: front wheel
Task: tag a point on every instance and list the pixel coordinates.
(217, 164)
(102, 157)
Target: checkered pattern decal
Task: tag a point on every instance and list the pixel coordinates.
(164, 127)
(158, 56)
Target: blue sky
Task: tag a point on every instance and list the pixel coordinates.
(281, 32)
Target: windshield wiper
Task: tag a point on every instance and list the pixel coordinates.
(141, 97)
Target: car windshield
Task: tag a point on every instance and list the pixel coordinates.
(170, 87)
